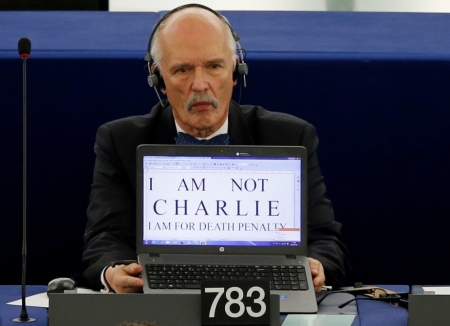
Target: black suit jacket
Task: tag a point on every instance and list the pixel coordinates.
(111, 227)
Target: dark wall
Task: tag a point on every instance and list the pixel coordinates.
(384, 153)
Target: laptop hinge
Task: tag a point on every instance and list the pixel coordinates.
(153, 255)
(291, 257)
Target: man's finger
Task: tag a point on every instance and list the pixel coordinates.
(129, 284)
(132, 282)
(133, 269)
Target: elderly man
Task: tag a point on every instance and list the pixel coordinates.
(195, 59)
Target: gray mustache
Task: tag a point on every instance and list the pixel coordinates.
(201, 97)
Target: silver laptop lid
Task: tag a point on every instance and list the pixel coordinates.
(221, 200)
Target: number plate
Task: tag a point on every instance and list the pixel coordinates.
(235, 302)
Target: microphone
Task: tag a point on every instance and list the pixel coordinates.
(24, 47)
(24, 52)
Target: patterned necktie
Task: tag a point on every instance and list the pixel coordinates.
(185, 139)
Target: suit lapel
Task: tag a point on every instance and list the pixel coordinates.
(238, 129)
(164, 130)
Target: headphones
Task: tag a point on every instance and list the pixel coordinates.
(155, 79)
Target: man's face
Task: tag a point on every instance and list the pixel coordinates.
(197, 67)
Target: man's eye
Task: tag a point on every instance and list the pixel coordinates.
(181, 70)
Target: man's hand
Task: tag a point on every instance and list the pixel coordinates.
(317, 273)
(125, 278)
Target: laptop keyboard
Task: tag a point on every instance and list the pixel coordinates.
(190, 276)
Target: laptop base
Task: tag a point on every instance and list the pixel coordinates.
(291, 301)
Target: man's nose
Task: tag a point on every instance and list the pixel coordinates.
(199, 84)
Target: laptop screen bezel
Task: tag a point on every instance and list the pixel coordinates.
(226, 151)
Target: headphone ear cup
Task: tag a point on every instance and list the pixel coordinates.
(241, 69)
(156, 79)
(153, 80)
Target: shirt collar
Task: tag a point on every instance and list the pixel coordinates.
(221, 130)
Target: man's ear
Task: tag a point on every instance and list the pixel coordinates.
(152, 68)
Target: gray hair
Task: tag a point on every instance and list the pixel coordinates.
(156, 51)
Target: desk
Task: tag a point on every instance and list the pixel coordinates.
(369, 313)
(10, 293)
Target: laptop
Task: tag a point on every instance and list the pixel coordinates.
(228, 212)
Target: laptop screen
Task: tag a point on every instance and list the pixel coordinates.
(233, 200)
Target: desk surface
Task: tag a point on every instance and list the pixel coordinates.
(10, 293)
(369, 313)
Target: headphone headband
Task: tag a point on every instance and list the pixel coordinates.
(148, 57)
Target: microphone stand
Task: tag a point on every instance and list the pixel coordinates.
(23, 314)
